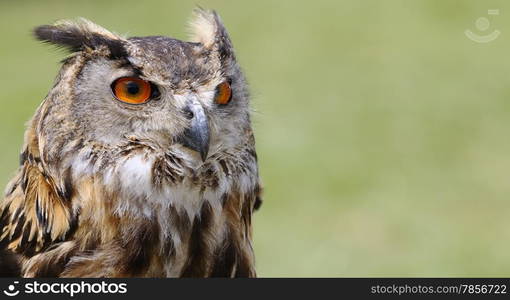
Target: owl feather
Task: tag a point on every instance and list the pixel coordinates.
(111, 187)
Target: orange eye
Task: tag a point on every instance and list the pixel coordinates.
(132, 90)
(223, 93)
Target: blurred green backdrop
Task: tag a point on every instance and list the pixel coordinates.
(382, 129)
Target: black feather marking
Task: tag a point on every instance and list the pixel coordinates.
(9, 264)
(252, 152)
(225, 262)
(34, 159)
(24, 181)
(12, 188)
(75, 39)
(26, 232)
(243, 267)
(52, 266)
(224, 198)
(197, 251)
(28, 246)
(258, 198)
(23, 157)
(258, 203)
(40, 216)
(180, 221)
(18, 228)
(224, 166)
(4, 243)
(139, 256)
(67, 192)
(168, 247)
(225, 48)
(18, 211)
(4, 216)
(73, 225)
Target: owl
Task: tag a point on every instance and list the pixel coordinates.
(140, 161)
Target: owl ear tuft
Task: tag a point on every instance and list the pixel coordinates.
(78, 35)
(208, 29)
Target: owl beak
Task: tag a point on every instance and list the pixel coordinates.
(196, 136)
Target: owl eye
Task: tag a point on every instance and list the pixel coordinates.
(132, 90)
(223, 93)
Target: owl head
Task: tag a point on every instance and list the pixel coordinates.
(174, 93)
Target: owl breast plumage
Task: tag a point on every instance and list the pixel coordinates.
(140, 161)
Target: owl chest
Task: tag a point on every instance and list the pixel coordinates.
(164, 226)
(165, 221)
(189, 237)
(216, 241)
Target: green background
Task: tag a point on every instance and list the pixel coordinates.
(382, 130)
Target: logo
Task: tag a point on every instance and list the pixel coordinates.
(11, 290)
(483, 24)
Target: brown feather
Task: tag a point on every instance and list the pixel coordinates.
(107, 190)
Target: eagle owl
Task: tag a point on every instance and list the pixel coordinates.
(140, 162)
